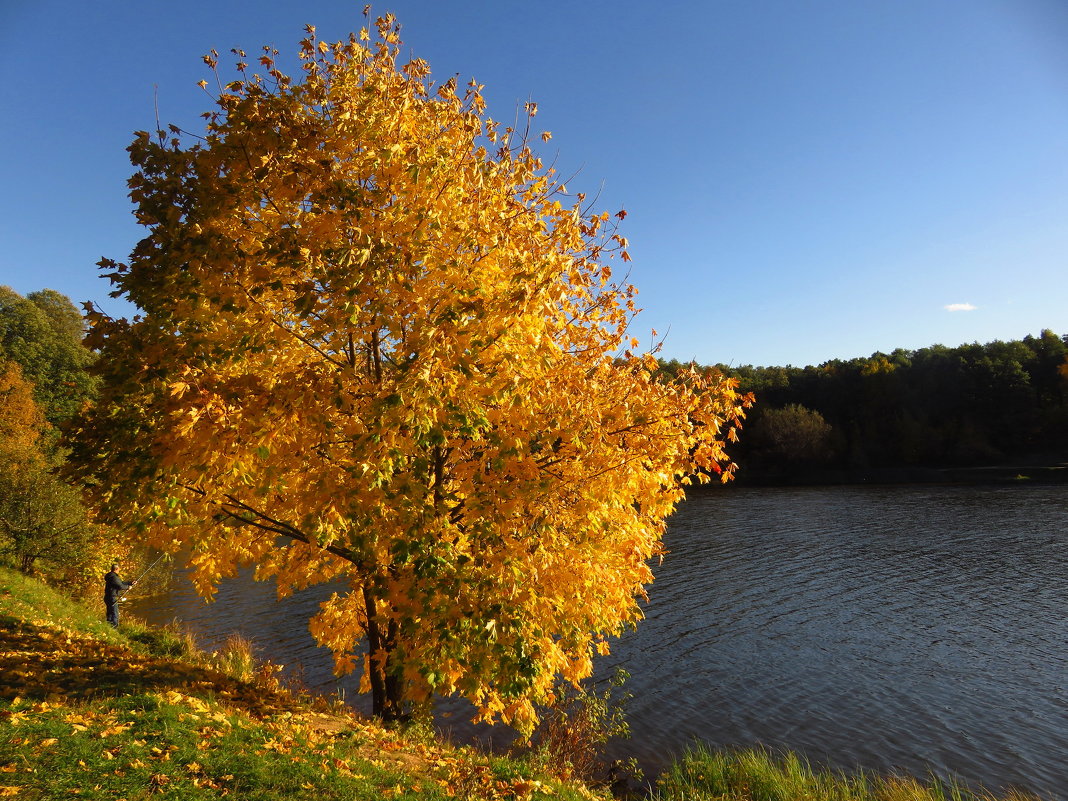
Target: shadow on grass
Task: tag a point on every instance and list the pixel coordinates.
(38, 663)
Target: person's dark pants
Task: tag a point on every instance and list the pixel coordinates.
(113, 612)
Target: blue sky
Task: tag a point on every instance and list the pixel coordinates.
(804, 179)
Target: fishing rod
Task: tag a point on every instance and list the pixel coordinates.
(147, 571)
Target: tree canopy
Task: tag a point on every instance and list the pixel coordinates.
(975, 404)
(42, 333)
(380, 345)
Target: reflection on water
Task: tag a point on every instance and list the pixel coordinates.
(901, 628)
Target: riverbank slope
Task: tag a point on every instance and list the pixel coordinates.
(90, 712)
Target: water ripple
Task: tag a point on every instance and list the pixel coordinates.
(915, 629)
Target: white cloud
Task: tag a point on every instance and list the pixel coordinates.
(960, 307)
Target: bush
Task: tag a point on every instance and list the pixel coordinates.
(571, 738)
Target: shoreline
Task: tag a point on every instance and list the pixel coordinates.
(1012, 474)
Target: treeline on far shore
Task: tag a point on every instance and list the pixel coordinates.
(974, 412)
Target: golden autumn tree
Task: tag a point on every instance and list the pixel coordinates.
(375, 347)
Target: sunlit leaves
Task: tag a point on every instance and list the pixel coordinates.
(21, 420)
(377, 346)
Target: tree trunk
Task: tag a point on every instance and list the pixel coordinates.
(387, 688)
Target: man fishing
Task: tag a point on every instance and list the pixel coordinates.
(114, 587)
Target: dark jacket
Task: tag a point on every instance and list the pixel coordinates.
(114, 587)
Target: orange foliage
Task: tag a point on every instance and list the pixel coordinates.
(378, 346)
(21, 419)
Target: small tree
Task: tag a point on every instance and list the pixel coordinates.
(792, 435)
(21, 420)
(376, 346)
(41, 517)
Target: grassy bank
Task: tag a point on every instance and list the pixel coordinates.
(88, 712)
(756, 775)
(137, 714)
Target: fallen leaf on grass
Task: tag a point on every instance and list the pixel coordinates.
(159, 780)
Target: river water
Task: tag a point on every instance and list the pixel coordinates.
(917, 629)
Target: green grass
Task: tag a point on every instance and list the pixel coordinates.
(178, 747)
(29, 600)
(757, 775)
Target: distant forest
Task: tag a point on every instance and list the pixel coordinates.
(894, 415)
